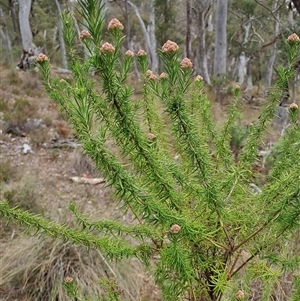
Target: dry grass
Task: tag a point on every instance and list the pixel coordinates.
(34, 268)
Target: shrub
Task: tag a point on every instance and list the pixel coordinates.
(200, 227)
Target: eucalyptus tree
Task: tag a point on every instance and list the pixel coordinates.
(220, 57)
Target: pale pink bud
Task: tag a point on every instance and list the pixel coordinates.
(142, 53)
(152, 77)
(169, 47)
(293, 106)
(84, 35)
(175, 229)
(149, 72)
(115, 23)
(151, 136)
(107, 47)
(198, 78)
(293, 38)
(68, 280)
(240, 294)
(163, 75)
(129, 53)
(42, 58)
(186, 63)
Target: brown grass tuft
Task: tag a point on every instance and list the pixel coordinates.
(34, 268)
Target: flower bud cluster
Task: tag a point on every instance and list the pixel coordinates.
(84, 35)
(107, 48)
(141, 53)
(186, 63)
(42, 58)
(170, 47)
(115, 24)
(293, 38)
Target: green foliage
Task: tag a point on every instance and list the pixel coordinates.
(173, 168)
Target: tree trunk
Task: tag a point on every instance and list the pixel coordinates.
(14, 13)
(220, 40)
(62, 45)
(243, 59)
(30, 50)
(273, 51)
(188, 28)
(242, 68)
(202, 9)
(25, 29)
(149, 36)
(127, 25)
(297, 5)
(6, 41)
(151, 30)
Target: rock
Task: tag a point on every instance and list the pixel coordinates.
(14, 130)
(26, 148)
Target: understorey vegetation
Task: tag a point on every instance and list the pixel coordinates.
(198, 225)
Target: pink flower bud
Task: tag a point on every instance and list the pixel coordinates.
(240, 294)
(293, 106)
(163, 75)
(151, 137)
(186, 63)
(149, 72)
(68, 280)
(115, 23)
(169, 47)
(129, 53)
(198, 78)
(175, 229)
(107, 47)
(141, 53)
(152, 77)
(293, 38)
(84, 35)
(42, 58)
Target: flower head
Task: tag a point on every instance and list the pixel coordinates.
(151, 137)
(175, 229)
(115, 23)
(293, 106)
(169, 47)
(149, 72)
(152, 77)
(293, 38)
(42, 58)
(163, 75)
(68, 280)
(129, 53)
(198, 78)
(141, 53)
(186, 63)
(107, 47)
(240, 294)
(84, 35)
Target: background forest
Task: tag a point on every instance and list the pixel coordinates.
(244, 37)
(43, 168)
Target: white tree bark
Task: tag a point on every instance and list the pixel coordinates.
(149, 36)
(221, 38)
(62, 45)
(242, 68)
(274, 50)
(202, 46)
(25, 29)
(151, 30)
(243, 60)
